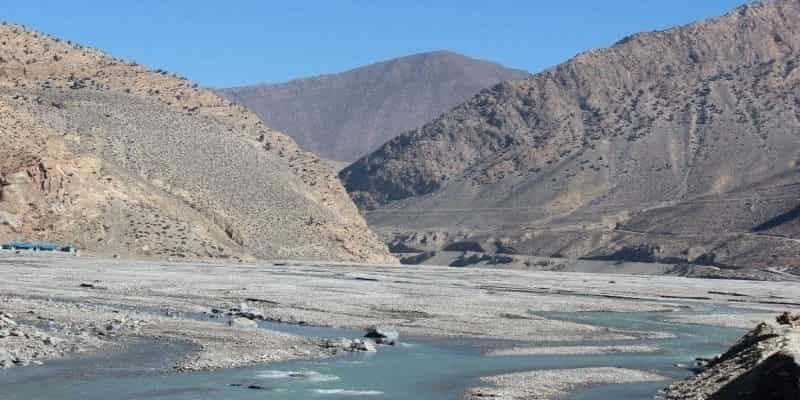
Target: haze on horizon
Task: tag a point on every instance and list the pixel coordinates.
(224, 45)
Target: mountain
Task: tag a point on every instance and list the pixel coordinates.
(118, 159)
(673, 146)
(344, 116)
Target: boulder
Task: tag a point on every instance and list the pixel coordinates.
(36, 334)
(7, 360)
(111, 328)
(9, 220)
(17, 178)
(382, 335)
(250, 386)
(363, 345)
(337, 343)
(243, 323)
(788, 318)
(6, 321)
(53, 341)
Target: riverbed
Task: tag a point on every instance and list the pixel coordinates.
(419, 368)
(452, 322)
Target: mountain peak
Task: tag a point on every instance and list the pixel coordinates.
(343, 116)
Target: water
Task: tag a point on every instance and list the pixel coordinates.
(422, 369)
(628, 391)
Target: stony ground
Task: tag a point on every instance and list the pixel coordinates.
(89, 304)
(566, 350)
(552, 384)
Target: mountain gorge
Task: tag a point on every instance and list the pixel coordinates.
(673, 146)
(343, 116)
(115, 158)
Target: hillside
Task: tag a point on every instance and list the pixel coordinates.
(672, 146)
(344, 116)
(117, 159)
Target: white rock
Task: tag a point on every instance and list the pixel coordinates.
(338, 343)
(9, 219)
(7, 360)
(364, 345)
(53, 341)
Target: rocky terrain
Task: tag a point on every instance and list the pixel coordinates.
(346, 115)
(23, 344)
(205, 315)
(764, 364)
(115, 158)
(553, 384)
(675, 147)
(86, 305)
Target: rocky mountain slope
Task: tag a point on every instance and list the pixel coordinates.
(344, 116)
(115, 158)
(672, 146)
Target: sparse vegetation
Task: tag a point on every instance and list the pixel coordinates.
(163, 133)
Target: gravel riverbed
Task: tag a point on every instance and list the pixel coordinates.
(61, 306)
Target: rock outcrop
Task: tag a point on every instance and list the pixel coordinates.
(23, 343)
(338, 345)
(673, 146)
(382, 335)
(118, 159)
(764, 365)
(346, 115)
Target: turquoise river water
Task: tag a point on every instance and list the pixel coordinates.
(417, 368)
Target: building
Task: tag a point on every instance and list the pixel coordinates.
(37, 246)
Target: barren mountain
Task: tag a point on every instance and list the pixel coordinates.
(115, 158)
(673, 146)
(344, 116)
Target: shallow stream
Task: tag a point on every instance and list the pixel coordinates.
(423, 369)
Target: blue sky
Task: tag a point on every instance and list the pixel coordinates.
(228, 43)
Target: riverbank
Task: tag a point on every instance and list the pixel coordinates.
(117, 301)
(552, 384)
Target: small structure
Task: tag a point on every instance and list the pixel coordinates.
(37, 246)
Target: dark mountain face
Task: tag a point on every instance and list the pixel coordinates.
(679, 145)
(343, 116)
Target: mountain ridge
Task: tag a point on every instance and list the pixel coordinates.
(118, 159)
(343, 115)
(557, 164)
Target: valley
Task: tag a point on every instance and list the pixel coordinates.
(622, 225)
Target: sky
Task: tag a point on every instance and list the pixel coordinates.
(240, 42)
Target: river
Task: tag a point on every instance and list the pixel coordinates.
(417, 368)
